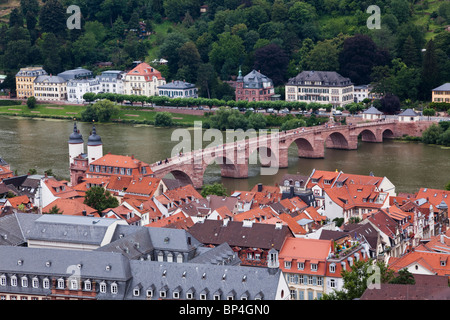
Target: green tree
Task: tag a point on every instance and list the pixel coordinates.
(429, 112)
(31, 102)
(447, 186)
(217, 189)
(430, 71)
(431, 134)
(101, 111)
(52, 17)
(163, 119)
(257, 121)
(226, 54)
(100, 199)
(356, 280)
(293, 124)
(323, 57)
(404, 277)
(54, 210)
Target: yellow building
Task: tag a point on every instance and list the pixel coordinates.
(441, 93)
(25, 81)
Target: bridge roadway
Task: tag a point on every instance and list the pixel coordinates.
(272, 149)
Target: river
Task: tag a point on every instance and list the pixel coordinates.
(42, 144)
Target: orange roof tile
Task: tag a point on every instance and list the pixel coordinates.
(428, 260)
(178, 221)
(145, 70)
(120, 161)
(145, 186)
(70, 207)
(60, 189)
(17, 201)
(257, 214)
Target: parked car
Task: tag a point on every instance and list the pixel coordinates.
(270, 110)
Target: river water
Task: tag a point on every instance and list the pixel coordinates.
(42, 144)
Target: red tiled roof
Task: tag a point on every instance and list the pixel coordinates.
(428, 260)
(17, 201)
(70, 207)
(145, 70)
(145, 185)
(121, 161)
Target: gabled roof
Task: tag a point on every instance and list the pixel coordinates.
(70, 207)
(372, 110)
(444, 87)
(409, 113)
(258, 235)
(145, 70)
(114, 160)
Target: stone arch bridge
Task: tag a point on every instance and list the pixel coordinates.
(272, 149)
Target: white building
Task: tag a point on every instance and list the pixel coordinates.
(409, 115)
(50, 88)
(111, 81)
(324, 87)
(76, 88)
(372, 114)
(143, 80)
(178, 89)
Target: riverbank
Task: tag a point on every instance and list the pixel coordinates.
(125, 115)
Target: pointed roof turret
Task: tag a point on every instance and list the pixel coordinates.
(75, 136)
(94, 138)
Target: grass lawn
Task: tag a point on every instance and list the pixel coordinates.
(74, 111)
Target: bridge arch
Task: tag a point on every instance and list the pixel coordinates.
(367, 135)
(305, 148)
(336, 140)
(228, 168)
(182, 176)
(388, 134)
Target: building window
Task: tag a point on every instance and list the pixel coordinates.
(332, 268)
(24, 281)
(3, 280)
(313, 266)
(87, 285)
(332, 283)
(14, 281)
(300, 265)
(35, 282)
(60, 283)
(46, 283)
(74, 284)
(287, 264)
(102, 287)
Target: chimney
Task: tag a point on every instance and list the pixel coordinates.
(260, 187)
(291, 192)
(84, 212)
(278, 225)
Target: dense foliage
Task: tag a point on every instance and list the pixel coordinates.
(278, 37)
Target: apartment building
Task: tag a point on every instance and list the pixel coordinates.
(324, 87)
(441, 93)
(50, 88)
(143, 80)
(25, 81)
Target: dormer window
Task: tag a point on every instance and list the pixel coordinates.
(313, 266)
(332, 268)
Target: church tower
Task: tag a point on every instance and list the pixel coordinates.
(76, 144)
(94, 146)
